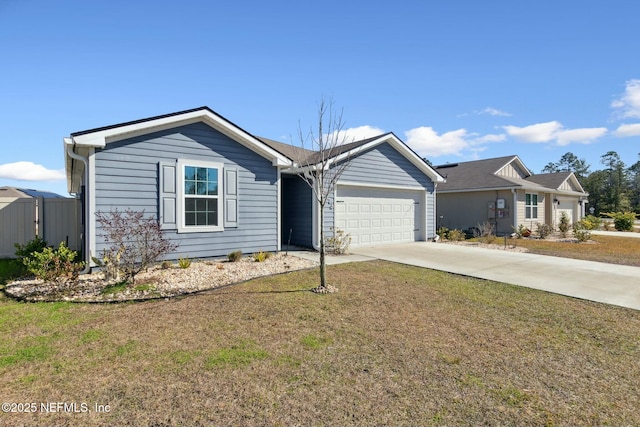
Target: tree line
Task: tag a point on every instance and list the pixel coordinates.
(614, 188)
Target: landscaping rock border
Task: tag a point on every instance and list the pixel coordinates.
(157, 282)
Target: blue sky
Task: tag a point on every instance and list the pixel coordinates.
(456, 80)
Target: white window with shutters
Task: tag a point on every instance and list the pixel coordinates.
(197, 196)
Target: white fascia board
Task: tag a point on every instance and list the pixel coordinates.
(101, 138)
(520, 163)
(574, 180)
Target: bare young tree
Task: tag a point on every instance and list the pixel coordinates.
(321, 168)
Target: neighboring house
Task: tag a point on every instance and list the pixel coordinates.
(503, 192)
(26, 213)
(217, 188)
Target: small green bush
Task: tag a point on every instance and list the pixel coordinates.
(184, 262)
(543, 230)
(522, 231)
(235, 256)
(54, 265)
(580, 232)
(622, 221)
(456, 235)
(443, 233)
(564, 224)
(261, 256)
(591, 222)
(36, 245)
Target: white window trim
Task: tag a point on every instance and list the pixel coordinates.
(182, 228)
(531, 206)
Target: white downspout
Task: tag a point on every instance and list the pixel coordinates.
(85, 161)
(515, 208)
(435, 214)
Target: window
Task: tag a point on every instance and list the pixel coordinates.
(200, 196)
(531, 206)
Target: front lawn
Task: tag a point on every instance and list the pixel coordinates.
(610, 249)
(397, 345)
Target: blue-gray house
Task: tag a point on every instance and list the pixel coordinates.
(217, 188)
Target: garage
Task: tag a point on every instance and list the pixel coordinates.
(378, 215)
(566, 206)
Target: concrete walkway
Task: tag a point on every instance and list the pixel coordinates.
(595, 281)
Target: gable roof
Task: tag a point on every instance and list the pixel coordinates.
(303, 158)
(100, 137)
(475, 175)
(481, 175)
(80, 143)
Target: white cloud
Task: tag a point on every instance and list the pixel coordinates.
(540, 132)
(494, 112)
(553, 132)
(427, 143)
(355, 134)
(362, 132)
(628, 130)
(582, 136)
(491, 138)
(628, 104)
(29, 171)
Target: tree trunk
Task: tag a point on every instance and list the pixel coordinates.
(323, 274)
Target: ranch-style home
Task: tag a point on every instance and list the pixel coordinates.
(503, 192)
(216, 188)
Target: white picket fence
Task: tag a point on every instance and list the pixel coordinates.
(55, 220)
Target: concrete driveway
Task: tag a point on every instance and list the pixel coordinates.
(594, 281)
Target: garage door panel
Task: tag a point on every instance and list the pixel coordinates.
(379, 215)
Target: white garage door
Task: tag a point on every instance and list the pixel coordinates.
(565, 206)
(375, 216)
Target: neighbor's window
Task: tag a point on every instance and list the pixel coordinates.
(531, 206)
(201, 198)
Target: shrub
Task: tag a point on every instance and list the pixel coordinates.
(443, 233)
(136, 242)
(580, 232)
(485, 233)
(622, 221)
(235, 256)
(261, 256)
(591, 222)
(339, 242)
(456, 235)
(543, 230)
(184, 262)
(54, 265)
(564, 224)
(522, 231)
(36, 245)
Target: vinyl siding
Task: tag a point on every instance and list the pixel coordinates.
(127, 178)
(464, 210)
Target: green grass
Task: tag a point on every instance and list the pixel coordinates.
(397, 345)
(235, 356)
(10, 269)
(115, 288)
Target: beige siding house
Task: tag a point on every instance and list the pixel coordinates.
(504, 192)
